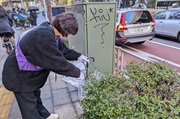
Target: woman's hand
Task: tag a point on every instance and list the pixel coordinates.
(81, 77)
(84, 58)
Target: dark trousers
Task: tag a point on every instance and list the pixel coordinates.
(31, 106)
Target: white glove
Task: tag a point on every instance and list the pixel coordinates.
(81, 77)
(84, 58)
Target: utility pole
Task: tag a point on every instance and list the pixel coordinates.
(48, 10)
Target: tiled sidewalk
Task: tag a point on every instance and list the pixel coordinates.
(58, 97)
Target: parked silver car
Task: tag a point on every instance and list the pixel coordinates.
(134, 26)
(168, 23)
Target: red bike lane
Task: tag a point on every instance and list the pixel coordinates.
(162, 51)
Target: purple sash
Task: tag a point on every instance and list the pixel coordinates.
(23, 64)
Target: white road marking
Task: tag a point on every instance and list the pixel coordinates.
(164, 45)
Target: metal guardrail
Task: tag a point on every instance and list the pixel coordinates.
(119, 52)
(119, 56)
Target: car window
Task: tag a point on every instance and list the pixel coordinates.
(175, 15)
(165, 3)
(137, 17)
(160, 15)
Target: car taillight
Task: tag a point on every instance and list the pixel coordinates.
(122, 25)
(153, 25)
(121, 39)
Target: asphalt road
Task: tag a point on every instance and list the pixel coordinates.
(167, 41)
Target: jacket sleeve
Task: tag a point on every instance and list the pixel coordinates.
(10, 20)
(42, 50)
(69, 54)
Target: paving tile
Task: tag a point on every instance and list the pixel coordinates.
(58, 84)
(1, 76)
(3, 58)
(48, 104)
(59, 76)
(71, 87)
(1, 69)
(53, 76)
(66, 111)
(61, 97)
(15, 111)
(15, 117)
(78, 108)
(74, 96)
(51, 110)
(46, 92)
(1, 66)
(47, 82)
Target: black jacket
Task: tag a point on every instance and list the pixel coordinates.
(33, 17)
(5, 26)
(40, 48)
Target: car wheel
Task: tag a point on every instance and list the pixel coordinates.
(178, 37)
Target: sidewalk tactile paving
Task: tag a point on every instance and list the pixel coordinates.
(6, 99)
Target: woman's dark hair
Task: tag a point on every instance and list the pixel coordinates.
(65, 23)
(2, 12)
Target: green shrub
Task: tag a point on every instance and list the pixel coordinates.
(144, 91)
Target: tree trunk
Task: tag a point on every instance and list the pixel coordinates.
(49, 10)
(10, 4)
(27, 4)
(22, 3)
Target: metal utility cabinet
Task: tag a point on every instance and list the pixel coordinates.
(96, 34)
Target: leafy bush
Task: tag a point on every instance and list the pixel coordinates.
(144, 91)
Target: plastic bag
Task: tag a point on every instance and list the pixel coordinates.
(97, 74)
(80, 83)
(76, 82)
